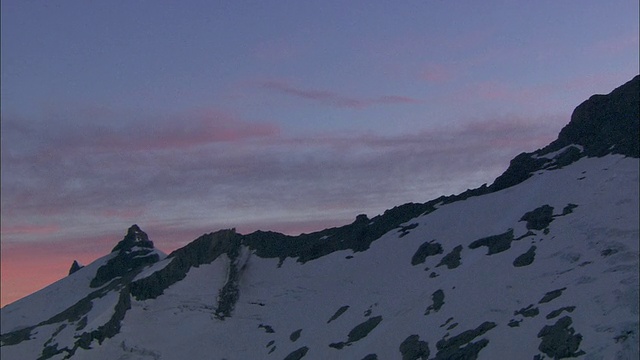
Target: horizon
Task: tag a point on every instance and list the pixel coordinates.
(283, 117)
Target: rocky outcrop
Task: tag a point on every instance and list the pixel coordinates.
(413, 349)
(203, 250)
(75, 267)
(134, 238)
(356, 236)
(603, 123)
(134, 252)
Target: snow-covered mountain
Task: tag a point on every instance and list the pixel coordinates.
(542, 264)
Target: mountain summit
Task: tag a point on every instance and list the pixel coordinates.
(541, 264)
(132, 253)
(134, 238)
(605, 124)
(602, 125)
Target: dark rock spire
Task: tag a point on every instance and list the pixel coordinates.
(134, 252)
(134, 238)
(75, 267)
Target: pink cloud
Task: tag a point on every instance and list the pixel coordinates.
(203, 127)
(394, 99)
(334, 99)
(164, 132)
(549, 95)
(124, 214)
(593, 83)
(438, 73)
(496, 91)
(30, 229)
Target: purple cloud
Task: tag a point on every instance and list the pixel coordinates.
(438, 73)
(180, 131)
(334, 99)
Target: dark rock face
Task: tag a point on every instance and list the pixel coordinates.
(295, 335)
(267, 328)
(551, 295)
(362, 330)
(461, 347)
(112, 327)
(16, 337)
(359, 332)
(338, 313)
(203, 250)
(447, 322)
(75, 267)
(559, 340)
(603, 124)
(425, 250)
(123, 264)
(538, 218)
(495, 243)
(526, 258)
(520, 169)
(133, 252)
(452, 259)
(297, 354)
(134, 238)
(568, 209)
(557, 312)
(413, 349)
(514, 323)
(438, 301)
(567, 157)
(229, 294)
(356, 236)
(404, 230)
(528, 311)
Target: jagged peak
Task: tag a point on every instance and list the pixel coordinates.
(135, 238)
(604, 124)
(133, 252)
(75, 267)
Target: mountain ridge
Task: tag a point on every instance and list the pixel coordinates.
(596, 110)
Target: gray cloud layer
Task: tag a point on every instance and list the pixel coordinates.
(213, 170)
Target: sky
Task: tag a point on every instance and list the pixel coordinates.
(186, 117)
